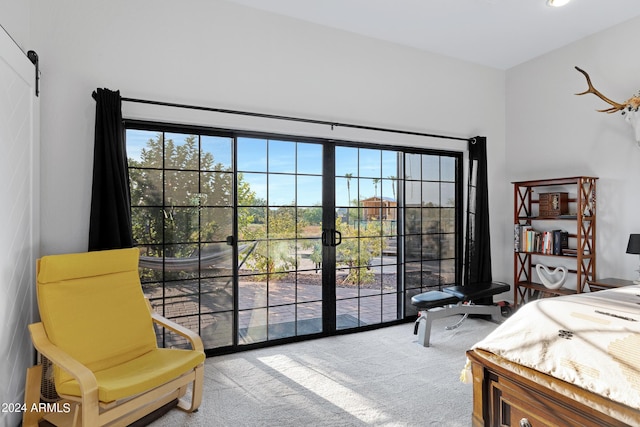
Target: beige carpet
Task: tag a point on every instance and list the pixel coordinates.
(376, 378)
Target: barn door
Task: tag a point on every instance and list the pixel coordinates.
(19, 218)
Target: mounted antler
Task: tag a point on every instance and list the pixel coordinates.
(614, 105)
(629, 108)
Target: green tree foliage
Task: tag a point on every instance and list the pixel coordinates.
(183, 206)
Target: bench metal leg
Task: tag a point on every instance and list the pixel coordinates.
(426, 318)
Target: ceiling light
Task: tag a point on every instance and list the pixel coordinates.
(557, 3)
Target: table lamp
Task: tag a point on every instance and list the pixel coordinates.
(633, 247)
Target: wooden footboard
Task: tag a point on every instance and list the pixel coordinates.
(508, 394)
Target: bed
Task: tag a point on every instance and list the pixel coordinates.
(566, 361)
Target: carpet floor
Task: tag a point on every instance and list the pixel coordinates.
(375, 378)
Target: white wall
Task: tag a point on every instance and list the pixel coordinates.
(15, 19)
(213, 53)
(553, 133)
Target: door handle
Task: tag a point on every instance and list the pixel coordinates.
(338, 234)
(331, 237)
(325, 242)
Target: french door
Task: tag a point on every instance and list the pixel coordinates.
(252, 239)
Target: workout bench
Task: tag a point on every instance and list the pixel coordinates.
(451, 301)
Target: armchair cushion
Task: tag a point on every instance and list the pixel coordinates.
(147, 371)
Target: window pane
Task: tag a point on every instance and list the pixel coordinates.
(370, 163)
(389, 190)
(430, 220)
(448, 246)
(430, 246)
(146, 187)
(344, 191)
(147, 225)
(216, 259)
(282, 223)
(282, 156)
(390, 164)
(252, 155)
(216, 224)
(252, 223)
(309, 190)
(448, 194)
(181, 225)
(430, 194)
(430, 168)
(448, 169)
(346, 161)
(181, 151)
(413, 249)
(412, 221)
(309, 222)
(448, 220)
(140, 148)
(310, 158)
(413, 193)
(181, 188)
(282, 190)
(216, 189)
(412, 166)
(369, 188)
(252, 189)
(215, 153)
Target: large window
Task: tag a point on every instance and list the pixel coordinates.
(248, 239)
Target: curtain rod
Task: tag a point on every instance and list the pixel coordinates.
(292, 119)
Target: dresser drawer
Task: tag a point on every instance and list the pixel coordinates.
(514, 406)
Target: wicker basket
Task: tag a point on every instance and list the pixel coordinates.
(48, 391)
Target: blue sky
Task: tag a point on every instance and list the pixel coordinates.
(283, 159)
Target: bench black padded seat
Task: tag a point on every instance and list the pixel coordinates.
(432, 299)
(454, 300)
(478, 292)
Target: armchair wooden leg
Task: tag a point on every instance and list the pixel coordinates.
(90, 408)
(196, 392)
(32, 396)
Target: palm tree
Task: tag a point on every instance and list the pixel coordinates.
(393, 185)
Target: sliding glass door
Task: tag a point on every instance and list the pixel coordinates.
(280, 214)
(367, 212)
(251, 239)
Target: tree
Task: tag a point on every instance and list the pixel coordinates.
(375, 186)
(176, 195)
(393, 185)
(348, 176)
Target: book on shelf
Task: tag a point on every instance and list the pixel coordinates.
(552, 242)
(570, 252)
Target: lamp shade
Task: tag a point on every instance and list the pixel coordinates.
(633, 247)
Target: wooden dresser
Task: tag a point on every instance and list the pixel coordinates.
(508, 394)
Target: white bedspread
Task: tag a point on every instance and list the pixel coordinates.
(591, 340)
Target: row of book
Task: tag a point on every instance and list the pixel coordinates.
(554, 242)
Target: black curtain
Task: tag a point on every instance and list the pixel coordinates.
(110, 220)
(478, 243)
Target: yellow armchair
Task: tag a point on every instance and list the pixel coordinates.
(97, 329)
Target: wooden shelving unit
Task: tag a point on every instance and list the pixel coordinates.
(582, 213)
